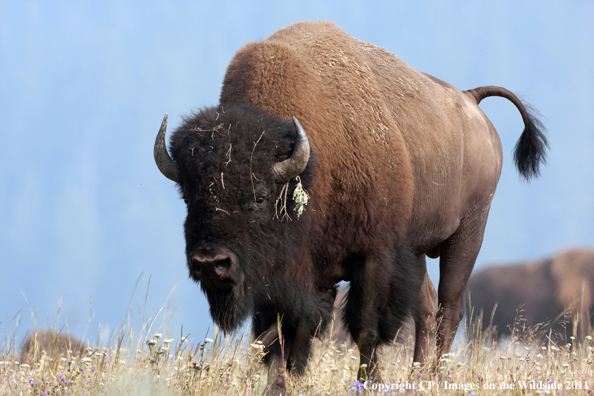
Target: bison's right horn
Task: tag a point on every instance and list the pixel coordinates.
(164, 162)
(294, 165)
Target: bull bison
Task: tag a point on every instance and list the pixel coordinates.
(396, 164)
(53, 343)
(543, 290)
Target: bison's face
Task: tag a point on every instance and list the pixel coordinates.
(231, 165)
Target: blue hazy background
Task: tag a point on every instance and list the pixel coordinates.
(84, 85)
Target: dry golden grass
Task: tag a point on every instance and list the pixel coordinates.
(149, 363)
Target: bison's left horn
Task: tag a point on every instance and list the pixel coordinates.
(164, 162)
(293, 166)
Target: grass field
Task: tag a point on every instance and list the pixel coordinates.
(143, 362)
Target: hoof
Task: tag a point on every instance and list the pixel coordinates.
(276, 388)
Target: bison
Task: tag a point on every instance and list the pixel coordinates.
(541, 292)
(396, 165)
(53, 343)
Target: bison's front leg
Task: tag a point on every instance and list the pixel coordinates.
(277, 375)
(362, 313)
(276, 358)
(293, 350)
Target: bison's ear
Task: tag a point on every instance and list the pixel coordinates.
(293, 166)
(166, 165)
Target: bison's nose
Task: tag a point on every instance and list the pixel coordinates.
(218, 266)
(213, 265)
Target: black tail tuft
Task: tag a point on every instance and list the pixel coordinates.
(530, 151)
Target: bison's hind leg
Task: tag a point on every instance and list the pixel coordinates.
(425, 321)
(458, 255)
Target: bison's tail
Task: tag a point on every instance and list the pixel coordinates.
(531, 148)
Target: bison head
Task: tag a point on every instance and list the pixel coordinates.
(231, 164)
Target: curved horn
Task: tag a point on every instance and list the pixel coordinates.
(164, 162)
(293, 166)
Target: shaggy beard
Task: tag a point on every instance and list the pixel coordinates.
(229, 308)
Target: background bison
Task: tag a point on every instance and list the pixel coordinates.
(397, 165)
(550, 292)
(51, 342)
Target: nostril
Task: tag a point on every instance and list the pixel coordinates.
(222, 266)
(196, 267)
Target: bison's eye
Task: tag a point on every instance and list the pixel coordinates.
(185, 199)
(260, 200)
